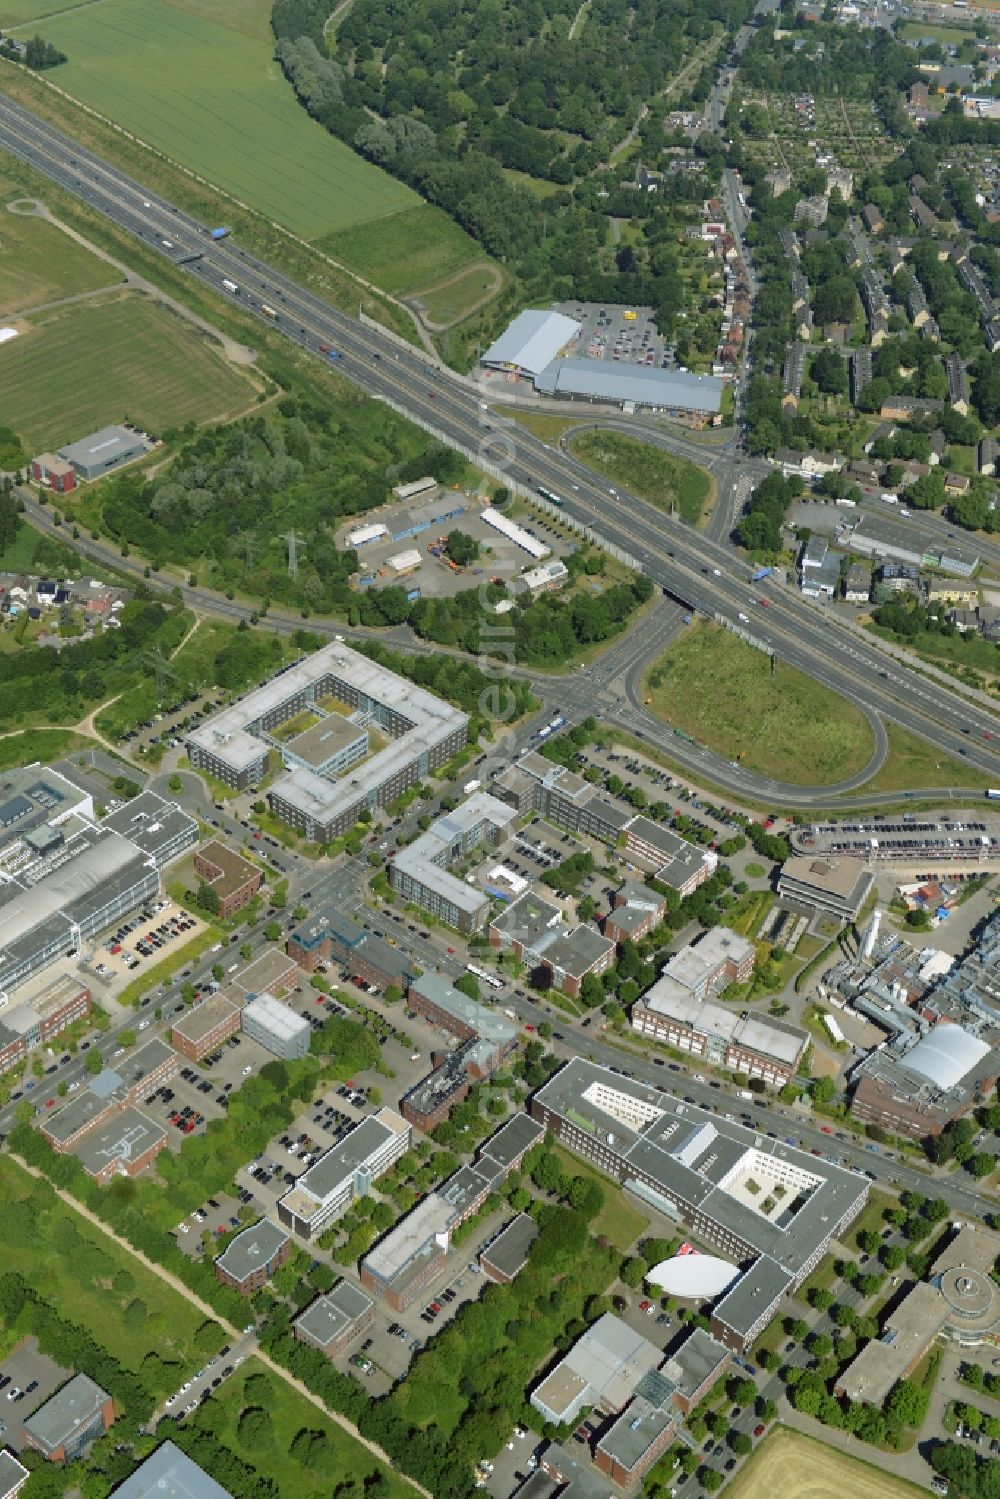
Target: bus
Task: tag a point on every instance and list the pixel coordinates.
(269, 312)
(490, 979)
(547, 494)
(993, 795)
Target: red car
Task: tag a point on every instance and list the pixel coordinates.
(825, 1129)
(529, 1027)
(758, 1431)
(319, 999)
(50, 1103)
(451, 949)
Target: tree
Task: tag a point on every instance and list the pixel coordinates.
(711, 1479)
(981, 1164)
(468, 984)
(208, 898)
(824, 1090)
(461, 548)
(907, 1403)
(94, 1062)
(741, 1443)
(821, 1298)
(272, 931)
(254, 1427)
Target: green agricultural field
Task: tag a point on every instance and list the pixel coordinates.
(337, 1458)
(712, 686)
(670, 483)
(414, 248)
(20, 12)
(91, 363)
(214, 99)
(39, 263)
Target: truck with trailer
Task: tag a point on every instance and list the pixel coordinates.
(219, 233)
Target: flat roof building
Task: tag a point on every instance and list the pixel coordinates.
(251, 1257)
(534, 784)
(420, 871)
(602, 1369)
(238, 744)
(531, 341)
(274, 973)
(205, 1026)
(333, 1322)
(103, 451)
(168, 1473)
(13, 1475)
(234, 879)
(506, 1255)
(277, 1028)
(122, 1144)
(697, 1168)
(33, 796)
(673, 860)
(69, 1420)
(838, 885)
(348, 1170)
(432, 996)
(631, 385)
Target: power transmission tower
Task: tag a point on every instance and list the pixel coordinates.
(294, 543)
(248, 541)
(155, 661)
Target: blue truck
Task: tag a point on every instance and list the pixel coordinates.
(220, 233)
(761, 574)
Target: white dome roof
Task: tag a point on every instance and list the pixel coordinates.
(945, 1055)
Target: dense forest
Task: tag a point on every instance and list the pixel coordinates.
(441, 96)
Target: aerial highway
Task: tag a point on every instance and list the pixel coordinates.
(696, 568)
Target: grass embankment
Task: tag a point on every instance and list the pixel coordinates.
(413, 248)
(914, 763)
(787, 1462)
(665, 481)
(39, 263)
(81, 366)
(720, 691)
(43, 745)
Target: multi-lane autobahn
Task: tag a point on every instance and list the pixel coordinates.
(696, 568)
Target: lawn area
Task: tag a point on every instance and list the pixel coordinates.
(203, 92)
(670, 483)
(91, 363)
(786, 1462)
(414, 247)
(39, 263)
(618, 1221)
(719, 690)
(913, 30)
(76, 1271)
(458, 296)
(914, 763)
(151, 978)
(957, 650)
(548, 428)
(256, 1386)
(871, 1219)
(45, 745)
(536, 185)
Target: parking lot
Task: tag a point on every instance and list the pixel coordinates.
(27, 1379)
(627, 335)
(169, 727)
(143, 939)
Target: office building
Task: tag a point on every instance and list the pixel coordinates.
(333, 1322)
(239, 743)
(348, 1170)
(124, 1143)
(333, 937)
(38, 1020)
(234, 879)
(142, 1070)
(534, 784)
(274, 973)
(55, 473)
(505, 1257)
(66, 1424)
(674, 862)
(837, 885)
(916, 1089)
(205, 1026)
(429, 1102)
(768, 1207)
(420, 871)
(532, 929)
(409, 1257)
(13, 1475)
(435, 999)
(168, 1473)
(251, 1257)
(34, 796)
(635, 912)
(277, 1028)
(602, 1370)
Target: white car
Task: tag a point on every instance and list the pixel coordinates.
(247, 1071)
(13, 1392)
(185, 1387)
(716, 572)
(170, 1401)
(185, 1228)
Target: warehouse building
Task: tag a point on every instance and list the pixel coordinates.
(234, 879)
(103, 451)
(168, 1473)
(632, 386)
(501, 523)
(251, 1257)
(333, 1322)
(838, 885)
(70, 1420)
(237, 745)
(530, 343)
(420, 874)
(766, 1206)
(349, 1170)
(277, 1028)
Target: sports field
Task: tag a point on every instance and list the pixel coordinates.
(39, 263)
(789, 1463)
(95, 362)
(213, 98)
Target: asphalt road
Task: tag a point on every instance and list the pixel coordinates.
(693, 567)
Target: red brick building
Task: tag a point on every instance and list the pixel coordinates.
(251, 1257)
(55, 472)
(205, 1026)
(28, 1026)
(234, 879)
(66, 1424)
